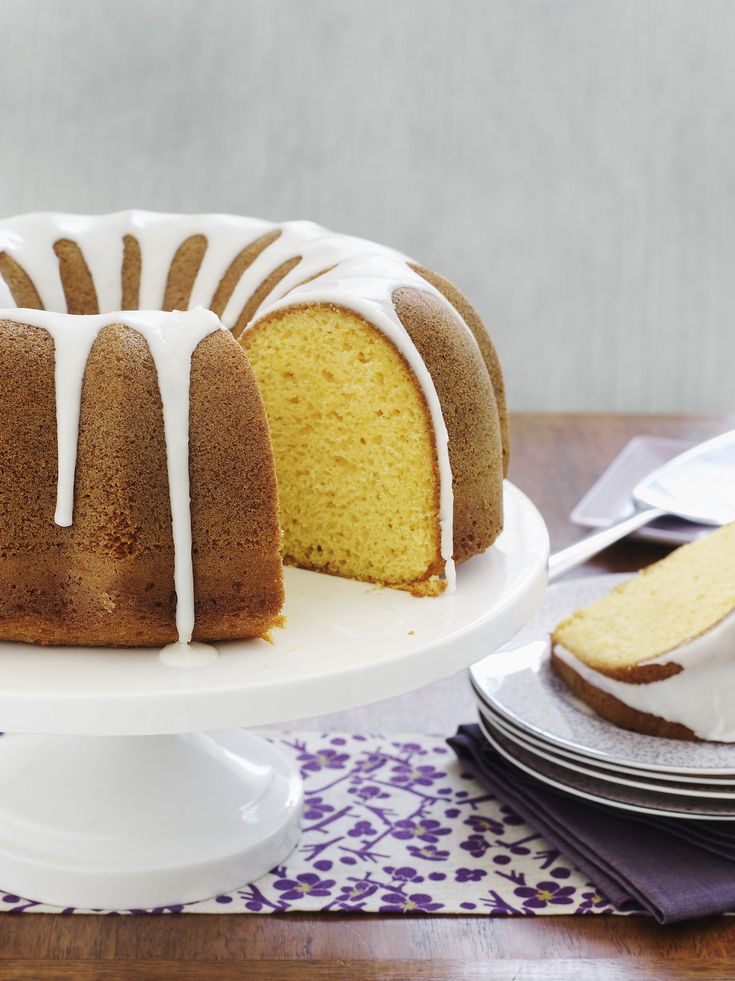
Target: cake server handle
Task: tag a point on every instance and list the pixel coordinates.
(569, 558)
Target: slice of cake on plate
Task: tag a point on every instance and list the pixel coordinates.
(657, 654)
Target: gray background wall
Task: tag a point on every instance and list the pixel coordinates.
(569, 164)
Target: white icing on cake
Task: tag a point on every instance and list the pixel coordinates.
(364, 279)
(172, 339)
(699, 696)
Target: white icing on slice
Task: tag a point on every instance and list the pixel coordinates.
(172, 339)
(699, 696)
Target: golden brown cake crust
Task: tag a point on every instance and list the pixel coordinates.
(236, 269)
(470, 413)
(79, 288)
(618, 712)
(108, 579)
(20, 283)
(262, 291)
(130, 275)
(183, 271)
(473, 320)
(638, 674)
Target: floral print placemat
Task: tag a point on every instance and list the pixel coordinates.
(393, 825)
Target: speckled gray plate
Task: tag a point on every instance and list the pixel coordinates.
(601, 792)
(517, 683)
(606, 768)
(639, 779)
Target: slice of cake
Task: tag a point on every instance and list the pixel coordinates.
(657, 654)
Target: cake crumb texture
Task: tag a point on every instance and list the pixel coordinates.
(666, 605)
(354, 448)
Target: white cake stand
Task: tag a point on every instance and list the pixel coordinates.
(126, 779)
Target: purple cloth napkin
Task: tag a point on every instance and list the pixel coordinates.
(675, 870)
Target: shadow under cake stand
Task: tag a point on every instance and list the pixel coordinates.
(126, 779)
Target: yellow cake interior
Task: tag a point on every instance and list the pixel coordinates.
(354, 448)
(666, 605)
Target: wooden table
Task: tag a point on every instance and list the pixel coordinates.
(555, 459)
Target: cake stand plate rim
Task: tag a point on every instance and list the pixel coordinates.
(366, 644)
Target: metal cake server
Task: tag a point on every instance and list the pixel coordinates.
(698, 485)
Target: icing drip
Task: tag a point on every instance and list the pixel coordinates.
(364, 278)
(73, 339)
(698, 697)
(172, 339)
(172, 342)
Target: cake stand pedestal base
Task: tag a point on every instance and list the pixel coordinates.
(116, 809)
(121, 822)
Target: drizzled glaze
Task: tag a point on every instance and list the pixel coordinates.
(698, 697)
(172, 339)
(353, 273)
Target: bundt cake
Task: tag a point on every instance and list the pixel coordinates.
(111, 575)
(384, 400)
(656, 654)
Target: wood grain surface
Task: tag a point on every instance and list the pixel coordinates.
(555, 459)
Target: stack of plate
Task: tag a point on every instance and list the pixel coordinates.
(533, 720)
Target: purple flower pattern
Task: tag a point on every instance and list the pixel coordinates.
(394, 825)
(306, 884)
(544, 894)
(417, 902)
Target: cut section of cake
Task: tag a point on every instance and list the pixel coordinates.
(657, 654)
(387, 444)
(386, 403)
